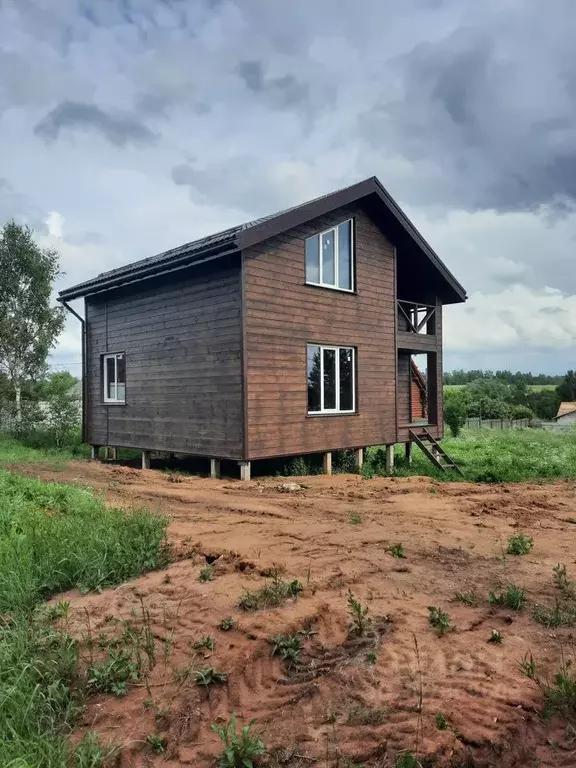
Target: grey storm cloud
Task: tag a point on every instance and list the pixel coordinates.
(281, 92)
(118, 129)
(495, 122)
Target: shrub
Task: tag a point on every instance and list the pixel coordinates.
(240, 749)
(227, 624)
(438, 619)
(397, 550)
(520, 544)
(209, 676)
(455, 412)
(288, 647)
(359, 616)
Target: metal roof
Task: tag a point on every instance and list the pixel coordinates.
(245, 235)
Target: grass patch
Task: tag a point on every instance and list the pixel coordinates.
(271, 595)
(512, 597)
(206, 574)
(467, 598)
(360, 715)
(14, 451)
(54, 537)
(560, 693)
(492, 456)
(558, 615)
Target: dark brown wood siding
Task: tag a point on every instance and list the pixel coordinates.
(182, 336)
(282, 314)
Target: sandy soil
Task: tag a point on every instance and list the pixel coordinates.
(453, 536)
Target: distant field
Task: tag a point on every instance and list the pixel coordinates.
(531, 387)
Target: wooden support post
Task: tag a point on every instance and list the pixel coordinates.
(145, 459)
(94, 452)
(359, 457)
(214, 467)
(327, 463)
(389, 458)
(244, 470)
(110, 453)
(408, 453)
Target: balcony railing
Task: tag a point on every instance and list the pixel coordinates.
(415, 317)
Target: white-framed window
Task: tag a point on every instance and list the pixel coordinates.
(114, 377)
(330, 257)
(331, 379)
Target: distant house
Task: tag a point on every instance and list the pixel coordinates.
(289, 335)
(566, 413)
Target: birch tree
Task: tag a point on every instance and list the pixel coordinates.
(29, 324)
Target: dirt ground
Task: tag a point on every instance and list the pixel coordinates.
(337, 709)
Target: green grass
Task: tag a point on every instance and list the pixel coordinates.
(493, 455)
(53, 537)
(15, 452)
(531, 387)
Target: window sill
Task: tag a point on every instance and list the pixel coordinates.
(349, 291)
(329, 415)
(111, 402)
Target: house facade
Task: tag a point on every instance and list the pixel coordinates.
(290, 335)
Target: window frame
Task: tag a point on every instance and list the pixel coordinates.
(104, 377)
(320, 235)
(333, 411)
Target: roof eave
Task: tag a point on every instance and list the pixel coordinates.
(91, 287)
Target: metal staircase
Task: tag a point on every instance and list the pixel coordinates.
(432, 449)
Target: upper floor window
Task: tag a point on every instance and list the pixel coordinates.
(114, 377)
(330, 258)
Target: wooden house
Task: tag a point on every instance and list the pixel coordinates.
(289, 335)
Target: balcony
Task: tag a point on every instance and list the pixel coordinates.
(416, 326)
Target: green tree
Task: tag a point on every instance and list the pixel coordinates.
(567, 388)
(521, 412)
(455, 412)
(60, 394)
(544, 404)
(29, 324)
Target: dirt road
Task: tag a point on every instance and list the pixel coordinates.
(338, 708)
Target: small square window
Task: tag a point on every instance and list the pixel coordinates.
(114, 377)
(330, 258)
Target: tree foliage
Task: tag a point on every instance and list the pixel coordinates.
(29, 324)
(567, 388)
(455, 412)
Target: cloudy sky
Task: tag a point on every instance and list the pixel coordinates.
(130, 126)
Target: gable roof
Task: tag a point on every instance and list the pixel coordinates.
(565, 408)
(383, 208)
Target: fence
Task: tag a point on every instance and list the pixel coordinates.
(502, 423)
